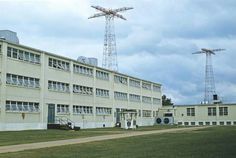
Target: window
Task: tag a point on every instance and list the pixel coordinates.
(146, 86)
(156, 101)
(83, 70)
(200, 123)
(146, 99)
(211, 111)
(0, 49)
(207, 123)
(120, 79)
(193, 123)
(156, 88)
(222, 123)
(190, 111)
(186, 123)
(147, 113)
(103, 111)
(63, 109)
(82, 109)
(59, 64)
(22, 81)
(214, 123)
(23, 55)
(102, 93)
(134, 98)
(58, 86)
(82, 90)
(102, 75)
(134, 83)
(223, 111)
(120, 96)
(19, 106)
(228, 123)
(180, 123)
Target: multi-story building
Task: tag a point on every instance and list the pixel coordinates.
(37, 87)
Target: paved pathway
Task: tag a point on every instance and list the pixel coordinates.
(21, 147)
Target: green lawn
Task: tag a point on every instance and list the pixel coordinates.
(20, 137)
(214, 142)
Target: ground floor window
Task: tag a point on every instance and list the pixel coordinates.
(21, 106)
(234, 122)
(214, 123)
(193, 123)
(82, 109)
(186, 123)
(223, 111)
(180, 123)
(63, 109)
(190, 111)
(228, 122)
(103, 111)
(222, 123)
(200, 123)
(207, 123)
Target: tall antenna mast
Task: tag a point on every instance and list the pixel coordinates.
(109, 60)
(209, 75)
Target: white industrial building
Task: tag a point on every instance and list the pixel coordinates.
(38, 88)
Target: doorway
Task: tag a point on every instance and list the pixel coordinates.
(51, 113)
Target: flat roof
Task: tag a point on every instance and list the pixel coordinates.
(66, 58)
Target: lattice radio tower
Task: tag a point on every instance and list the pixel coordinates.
(209, 75)
(109, 60)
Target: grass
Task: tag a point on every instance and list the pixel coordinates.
(214, 142)
(30, 136)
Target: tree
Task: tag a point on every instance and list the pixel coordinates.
(166, 101)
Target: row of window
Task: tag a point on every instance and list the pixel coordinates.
(83, 70)
(134, 83)
(102, 93)
(22, 81)
(82, 90)
(147, 99)
(19, 106)
(58, 86)
(82, 109)
(120, 79)
(223, 111)
(146, 86)
(120, 96)
(59, 64)
(147, 113)
(102, 75)
(134, 97)
(23, 55)
(208, 123)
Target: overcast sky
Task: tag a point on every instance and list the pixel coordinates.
(155, 43)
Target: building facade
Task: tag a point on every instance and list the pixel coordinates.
(203, 114)
(37, 87)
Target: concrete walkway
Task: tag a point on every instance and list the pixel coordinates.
(21, 147)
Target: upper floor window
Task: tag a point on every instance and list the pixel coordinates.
(190, 111)
(58, 86)
(223, 111)
(146, 86)
(120, 79)
(134, 97)
(102, 93)
(22, 81)
(102, 75)
(82, 90)
(211, 111)
(0, 49)
(83, 70)
(120, 96)
(156, 88)
(23, 55)
(134, 83)
(59, 64)
(156, 101)
(147, 99)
